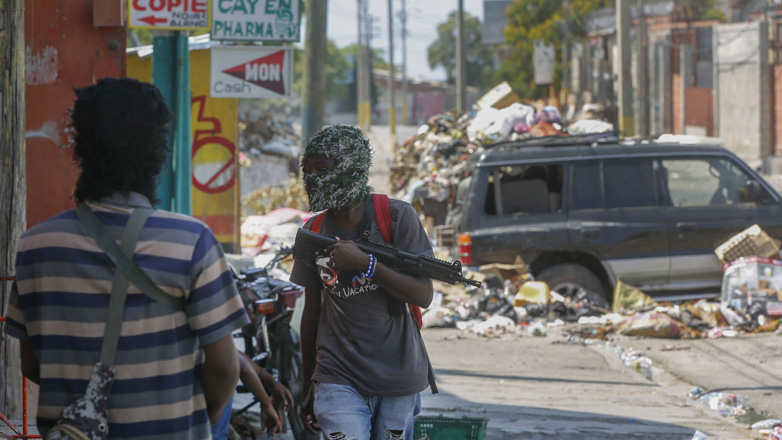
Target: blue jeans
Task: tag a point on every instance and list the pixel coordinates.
(344, 414)
(220, 429)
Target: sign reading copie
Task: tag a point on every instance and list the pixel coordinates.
(169, 14)
(251, 72)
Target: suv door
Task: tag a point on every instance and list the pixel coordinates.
(709, 199)
(517, 210)
(614, 212)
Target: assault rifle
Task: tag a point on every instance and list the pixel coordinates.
(309, 245)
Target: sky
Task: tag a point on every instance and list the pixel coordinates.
(424, 16)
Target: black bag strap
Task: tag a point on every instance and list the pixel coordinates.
(124, 263)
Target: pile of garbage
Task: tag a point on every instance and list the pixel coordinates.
(290, 194)
(427, 167)
(510, 299)
(267, 133)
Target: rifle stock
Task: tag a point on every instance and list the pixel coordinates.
(310, 245)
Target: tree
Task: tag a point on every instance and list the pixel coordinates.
(442, 52)
(12, 191)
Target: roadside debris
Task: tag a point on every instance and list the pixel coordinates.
(427, 168)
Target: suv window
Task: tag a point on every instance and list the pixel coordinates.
(629, 183)
(709, 182)
(587, 189)
(622, 183)
(524, 189)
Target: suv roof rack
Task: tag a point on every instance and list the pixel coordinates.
(609, 137)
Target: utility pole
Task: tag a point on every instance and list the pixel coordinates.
(626, 125)
(403, 18)
(314, 78)
(369, 81)
(566, 56)
(13, 190)
(361, 69)
(641, 106)
(391, 74)
(460, 89)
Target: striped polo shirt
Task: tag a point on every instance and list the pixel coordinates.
(60, 300)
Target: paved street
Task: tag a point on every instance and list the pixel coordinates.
(536, 388)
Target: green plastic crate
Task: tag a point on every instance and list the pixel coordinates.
(446, 428)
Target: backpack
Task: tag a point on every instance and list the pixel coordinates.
(383, 220)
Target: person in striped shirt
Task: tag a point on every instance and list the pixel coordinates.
(175, 369)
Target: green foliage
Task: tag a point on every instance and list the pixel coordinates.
(337, 71)
(442, 52)
(530, 20)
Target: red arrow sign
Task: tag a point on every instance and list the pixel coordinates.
(153, 20)
(266, 72)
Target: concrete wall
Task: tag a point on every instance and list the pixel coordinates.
(742, 99)
(266, 170)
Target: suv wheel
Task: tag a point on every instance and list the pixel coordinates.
(567, 279)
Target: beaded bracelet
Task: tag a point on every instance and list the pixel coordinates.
(371, 269)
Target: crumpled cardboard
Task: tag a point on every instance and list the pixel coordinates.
(627, 297)
(506, 271)
(649, 324)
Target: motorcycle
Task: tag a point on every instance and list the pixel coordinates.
(269, 339)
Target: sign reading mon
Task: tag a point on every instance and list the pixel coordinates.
(256, 20)
(251, 72)
(169, 14)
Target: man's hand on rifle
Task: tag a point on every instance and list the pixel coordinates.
(347, 256)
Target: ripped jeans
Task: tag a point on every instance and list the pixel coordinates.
(344, 414)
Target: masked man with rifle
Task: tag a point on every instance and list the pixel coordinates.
(364, 360)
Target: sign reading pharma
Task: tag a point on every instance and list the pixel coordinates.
(169, 14)
(256, 20)
(251, 72)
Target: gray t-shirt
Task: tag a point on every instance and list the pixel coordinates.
(360, 343)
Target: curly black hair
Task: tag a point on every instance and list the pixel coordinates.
(120, 134)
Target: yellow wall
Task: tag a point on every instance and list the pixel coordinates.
(214, 127)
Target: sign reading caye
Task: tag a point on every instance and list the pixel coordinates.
(251, 72)
(256, 20)
(169, 14)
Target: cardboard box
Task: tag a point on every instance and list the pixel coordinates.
(506, 271)
(751, 242)
(500, 96)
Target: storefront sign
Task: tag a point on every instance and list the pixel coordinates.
(256, 20)
(251, 72)
(169, 14)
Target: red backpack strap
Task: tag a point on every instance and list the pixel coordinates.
(316, 224)
(383, 219)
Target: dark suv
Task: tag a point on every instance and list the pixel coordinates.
(584, 214)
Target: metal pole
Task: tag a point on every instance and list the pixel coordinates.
(360, 68)
(312, 99)
(171, 74)
(625, 101)
(405, 119)
(460, 80)
(641, 106)
(391, 74)
(566, 55)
